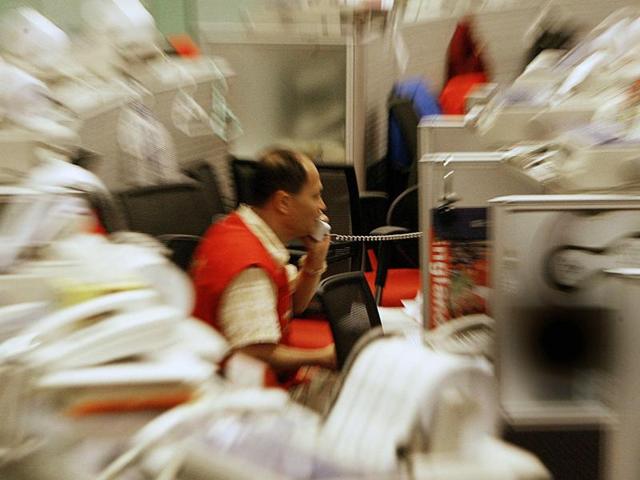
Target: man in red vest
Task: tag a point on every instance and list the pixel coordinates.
(244, 285)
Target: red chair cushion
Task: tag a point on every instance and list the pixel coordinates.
(308, 333)
(401, 284)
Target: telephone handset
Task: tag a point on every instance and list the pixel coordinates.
(468, 335)
(103, 329)
(322, 228)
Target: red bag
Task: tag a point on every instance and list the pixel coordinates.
(456, 90)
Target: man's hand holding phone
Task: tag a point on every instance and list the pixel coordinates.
(322, 228)
(317, 245)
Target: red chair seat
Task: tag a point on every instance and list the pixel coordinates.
(401, 284)
(308, 333)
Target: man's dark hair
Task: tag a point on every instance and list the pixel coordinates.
(277, 169)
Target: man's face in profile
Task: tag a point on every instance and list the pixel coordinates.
(308, 204)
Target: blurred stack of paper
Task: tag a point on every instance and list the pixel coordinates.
(16, 317)
(125, 386)
(109, 329)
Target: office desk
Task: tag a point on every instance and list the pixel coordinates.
(395, 319)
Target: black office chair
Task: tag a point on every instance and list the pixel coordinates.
(398, 262)
(374, 205)
(403, 212)
(201, 171)
(177, 214)
(104, 205)
(341, 196)
(401, 178)
(350, 309)
(243, 177)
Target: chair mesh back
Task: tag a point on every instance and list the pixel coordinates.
(350, 308)
(180, 208)
(202, 172)
(340, 194)
(340, 191)
(243, 176)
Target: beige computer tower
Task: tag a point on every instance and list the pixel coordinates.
(472, 179)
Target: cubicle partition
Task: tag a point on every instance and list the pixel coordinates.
(324, 94)
(454, 194)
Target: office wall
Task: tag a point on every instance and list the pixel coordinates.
(8, 4)
(172, 16)
(169, 14)
(501, 33)
(64, 13)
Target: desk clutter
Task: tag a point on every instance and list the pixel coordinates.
(511, 358)
(104, 331)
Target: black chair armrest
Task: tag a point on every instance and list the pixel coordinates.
(388, 230)
(376, 195)
(170, 237)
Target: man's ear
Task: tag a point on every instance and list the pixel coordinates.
(282, 202)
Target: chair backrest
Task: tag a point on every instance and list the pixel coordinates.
(243, 176)
(179, 212)
(403, 212)
(403, 146)
(374, 206)
(201, 171)
(340, 194)
(107, 210)
(350, 308)
(173, 208)
(104, 205)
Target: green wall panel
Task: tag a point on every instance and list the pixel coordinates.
(169, 14)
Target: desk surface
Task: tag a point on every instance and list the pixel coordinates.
(395, 319)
